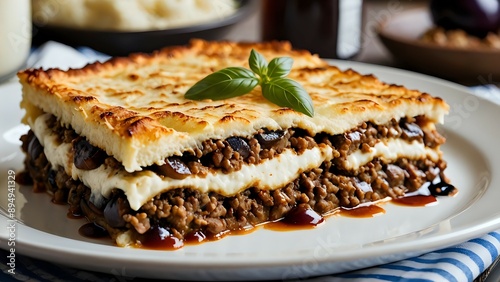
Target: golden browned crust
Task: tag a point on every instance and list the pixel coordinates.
(134, 107)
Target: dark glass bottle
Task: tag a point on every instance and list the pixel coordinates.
(330, 28)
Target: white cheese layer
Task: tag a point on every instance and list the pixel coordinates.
(390, 150)
(141, 186)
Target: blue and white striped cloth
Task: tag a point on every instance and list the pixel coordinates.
(463, 262)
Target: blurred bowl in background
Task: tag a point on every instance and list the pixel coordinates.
(400, 35)
(122, 43)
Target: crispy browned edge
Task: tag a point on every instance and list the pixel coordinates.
(37, 77)
(130, 124)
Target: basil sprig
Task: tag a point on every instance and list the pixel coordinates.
(236, 81)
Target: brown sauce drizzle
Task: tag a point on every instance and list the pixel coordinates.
(74, 213)
(298, 218)
(415, 200)
(159, 238)
(442, 188)
(54, 201)
(427, 194)
(196, 237)
(302, 216)
(362, 211)
(94, 231)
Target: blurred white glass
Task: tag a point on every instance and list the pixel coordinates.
(15, 36)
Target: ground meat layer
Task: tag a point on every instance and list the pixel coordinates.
(229, 155)
(184, 211)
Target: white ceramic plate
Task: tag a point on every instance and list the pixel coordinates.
(339, 245)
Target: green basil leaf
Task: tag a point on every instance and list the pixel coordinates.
(223, 84)
(258, 64)
(286, 92)
(236, 81)
(279, 67)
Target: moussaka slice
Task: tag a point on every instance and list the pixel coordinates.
(119, 142)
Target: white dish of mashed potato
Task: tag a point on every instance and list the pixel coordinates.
(129, 15)
(121, 27)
